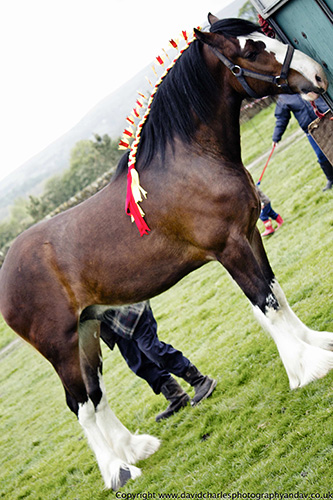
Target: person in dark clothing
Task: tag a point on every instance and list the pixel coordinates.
(134, 329)
(304, 114)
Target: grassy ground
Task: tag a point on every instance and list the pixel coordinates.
(253, 435)
(256, 134)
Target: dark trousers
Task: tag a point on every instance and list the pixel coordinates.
(324, 163)
(148, 357)
(267, 212)
(320, 155)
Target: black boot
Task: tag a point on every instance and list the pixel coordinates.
(203, 385)
(178, 398)
(328, 171)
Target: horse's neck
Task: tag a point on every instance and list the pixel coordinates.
(222, 136)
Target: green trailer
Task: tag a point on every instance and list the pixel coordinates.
(307, 25)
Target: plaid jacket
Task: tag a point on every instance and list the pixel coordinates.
(121, 321)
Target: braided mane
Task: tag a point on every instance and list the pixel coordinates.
(187, 88)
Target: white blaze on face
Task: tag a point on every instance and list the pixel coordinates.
(300, 62)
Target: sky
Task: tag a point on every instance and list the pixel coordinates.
(59, 58)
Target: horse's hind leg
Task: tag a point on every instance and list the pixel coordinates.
(127, 446)
(79, 373)
(303, 362)
(323, 340)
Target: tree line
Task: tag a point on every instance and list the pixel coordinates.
(89, 159)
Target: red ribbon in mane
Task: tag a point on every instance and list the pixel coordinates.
(132, 208)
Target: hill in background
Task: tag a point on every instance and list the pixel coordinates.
(107, 117)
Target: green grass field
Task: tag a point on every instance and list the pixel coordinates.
(253, 435)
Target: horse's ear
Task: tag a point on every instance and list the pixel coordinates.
(206, 37)
(212, 19)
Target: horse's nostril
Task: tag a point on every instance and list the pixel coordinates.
(318, 79)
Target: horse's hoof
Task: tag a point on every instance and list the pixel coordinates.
(120, 474)
(121, 480)
(124, 476)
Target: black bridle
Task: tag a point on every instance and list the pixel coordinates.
(240, 73)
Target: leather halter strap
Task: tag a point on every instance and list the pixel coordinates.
(240, 73)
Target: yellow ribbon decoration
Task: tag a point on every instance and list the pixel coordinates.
(137, 190)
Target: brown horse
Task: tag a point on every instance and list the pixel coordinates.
(62, 274)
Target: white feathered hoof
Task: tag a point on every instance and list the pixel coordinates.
(313, 363)
(118, 475)
(137, 447)
(303, 362)
(324, 340)
(143, 445)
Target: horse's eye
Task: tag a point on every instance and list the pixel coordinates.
(251, 56)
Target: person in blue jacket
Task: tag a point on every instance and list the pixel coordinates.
(134, 329)
(304, 114)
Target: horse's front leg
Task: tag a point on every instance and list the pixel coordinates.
(312, 337)
(303, 362)
(127, 446)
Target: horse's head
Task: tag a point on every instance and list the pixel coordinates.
(261, 65)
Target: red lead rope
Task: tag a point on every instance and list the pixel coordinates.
(316, 110)
(267, 162)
